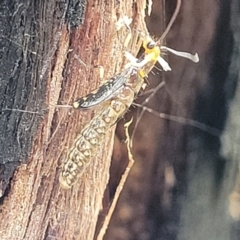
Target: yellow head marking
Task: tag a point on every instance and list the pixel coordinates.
(151, 49)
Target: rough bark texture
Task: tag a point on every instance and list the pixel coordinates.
(41, 44)
(185, 181)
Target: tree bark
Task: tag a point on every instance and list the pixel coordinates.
(42, 43)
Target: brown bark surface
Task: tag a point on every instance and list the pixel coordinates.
(185, 181)
(43, 42)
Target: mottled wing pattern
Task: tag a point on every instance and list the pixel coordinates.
(104, 92)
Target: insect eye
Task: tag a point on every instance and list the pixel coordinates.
(151, 45)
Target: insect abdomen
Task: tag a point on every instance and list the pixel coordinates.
(86, 143)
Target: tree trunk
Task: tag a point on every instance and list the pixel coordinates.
(51, 54)
(185, 181)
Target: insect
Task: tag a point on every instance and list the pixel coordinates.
(93, 134)
(87, 142)
(120, 91)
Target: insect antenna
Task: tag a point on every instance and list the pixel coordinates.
(139, 116)
(172, 20)
(187, 121)
(19, 110)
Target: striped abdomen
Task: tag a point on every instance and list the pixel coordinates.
(86, 143)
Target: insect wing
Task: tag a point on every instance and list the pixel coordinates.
(104, 92)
